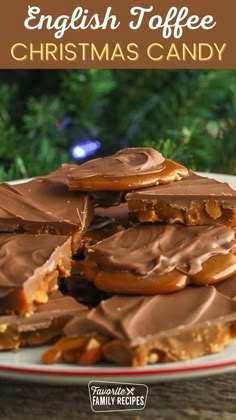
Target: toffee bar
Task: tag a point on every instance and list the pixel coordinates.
(46, 323)
(195, 200)
(45, 206)
(29, 269)
(139, 330)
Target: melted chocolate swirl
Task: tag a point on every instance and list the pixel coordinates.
(147, 249)
(126, 162)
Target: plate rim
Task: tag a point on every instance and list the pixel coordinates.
(117, 371)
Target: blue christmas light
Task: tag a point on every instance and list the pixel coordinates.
(84, 149)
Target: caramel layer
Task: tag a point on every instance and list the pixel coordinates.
(204, 213)
(216, 269)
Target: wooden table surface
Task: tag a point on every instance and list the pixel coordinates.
(212, 398)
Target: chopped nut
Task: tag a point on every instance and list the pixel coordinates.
(91, 353)
(213, 209)
(3, 328)
(153, 358)
(147, 216)
(63, 347)
(41, 296)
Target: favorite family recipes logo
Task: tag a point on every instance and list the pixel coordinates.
(117, 396)
(149, 32)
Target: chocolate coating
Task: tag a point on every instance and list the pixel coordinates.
(181, 193)
(44, 205)
(118, 213)
(147, 248)
(137, 320)
(126, 162)
(110, 216)
(227, 287)
(25, 260)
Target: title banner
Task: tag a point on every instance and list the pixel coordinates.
(118, 34)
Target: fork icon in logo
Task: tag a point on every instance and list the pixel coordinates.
(130, 390)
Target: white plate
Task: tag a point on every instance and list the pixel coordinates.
(25, 364)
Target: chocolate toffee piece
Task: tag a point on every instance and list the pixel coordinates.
(46, 323)
(44, 205)
(79, 288)
(138, 330)
(29, 269)
(150, 259)
(195, 200)
(128, 169)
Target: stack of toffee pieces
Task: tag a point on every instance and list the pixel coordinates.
(129, 258)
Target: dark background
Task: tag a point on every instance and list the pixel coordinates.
(189, 115)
